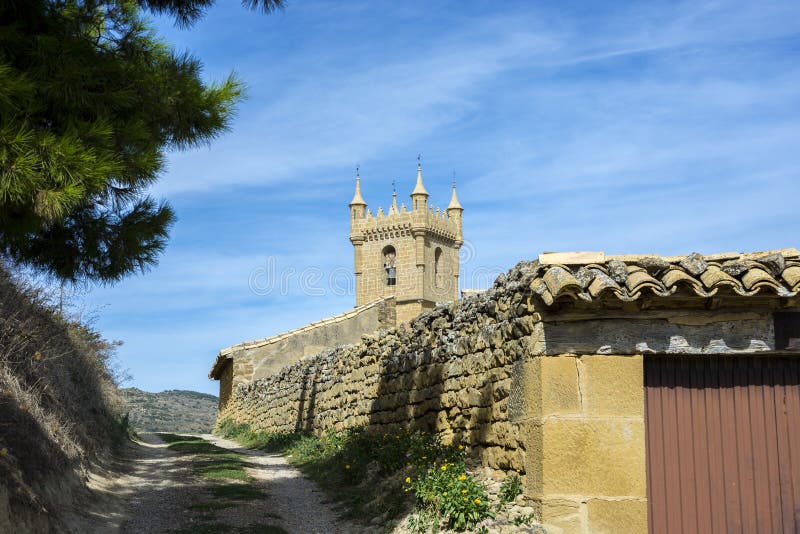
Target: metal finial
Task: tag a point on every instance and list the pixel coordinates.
(358, 170)
(394, 186)
(454, 178)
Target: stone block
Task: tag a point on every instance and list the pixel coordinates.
(613, 385)
(617, 517)
(530, 435)
(550, 386)
(593, 457)
(560, 513)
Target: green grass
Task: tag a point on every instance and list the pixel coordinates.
(263, 441)
(214, 462)
(218, 464)
(325, 461)
(381, 475)
(237, 492)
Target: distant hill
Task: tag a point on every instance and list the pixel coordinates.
(171, 411)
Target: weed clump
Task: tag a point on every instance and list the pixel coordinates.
(510, 488)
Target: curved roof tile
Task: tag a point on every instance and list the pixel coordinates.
(576, 276)
(792, 276)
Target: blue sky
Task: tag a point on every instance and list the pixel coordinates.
(657, 127)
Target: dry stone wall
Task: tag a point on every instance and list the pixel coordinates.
(450, 371)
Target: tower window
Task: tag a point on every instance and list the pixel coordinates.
(437, 276)
(390, 265)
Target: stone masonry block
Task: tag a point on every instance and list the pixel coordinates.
(613, 385)
(617, 517)
(550, 386)
(562, 514)
(530, 435)
(593, 457)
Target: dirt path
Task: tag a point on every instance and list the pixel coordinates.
(298, 501)
(163, 489)
(162, 493)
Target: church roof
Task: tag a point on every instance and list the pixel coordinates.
(589, 276)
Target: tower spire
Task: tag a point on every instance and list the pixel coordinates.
(393, 208)
(454, 203)
(419, 189)
(358, 200)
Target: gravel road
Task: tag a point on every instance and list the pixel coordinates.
(164, 495)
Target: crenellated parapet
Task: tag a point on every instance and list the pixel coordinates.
(385, 225)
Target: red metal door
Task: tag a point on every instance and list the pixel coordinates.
(723, 444)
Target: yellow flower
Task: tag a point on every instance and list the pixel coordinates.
(477, 501)
(347, 466)
(3, 451)
(463, 492)
(462, 477)
(408, 480)
(444, 468)
(424, 457)
(37, 355)
(465, 499)
(461, 447)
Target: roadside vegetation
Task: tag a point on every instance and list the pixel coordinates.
(228, 485)
(386, 476)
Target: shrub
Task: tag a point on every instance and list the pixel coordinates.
(448, 489)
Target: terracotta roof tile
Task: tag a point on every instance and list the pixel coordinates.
(632, 277)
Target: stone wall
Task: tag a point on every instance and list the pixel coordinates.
(252, 360)
(555, 390)
(449, 371)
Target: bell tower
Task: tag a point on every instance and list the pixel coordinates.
(411, 254)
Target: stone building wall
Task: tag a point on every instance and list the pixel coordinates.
(541, 373)
(372, 283)
(261, 358)
(416, 290)
(444, 286)
(583, 424)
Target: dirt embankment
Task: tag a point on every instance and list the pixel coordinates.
(59, 410)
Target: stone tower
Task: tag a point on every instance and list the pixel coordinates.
(411, 254)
